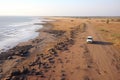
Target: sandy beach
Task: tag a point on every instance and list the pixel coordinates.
(60, 52)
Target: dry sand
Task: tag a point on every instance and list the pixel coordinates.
(60, 52)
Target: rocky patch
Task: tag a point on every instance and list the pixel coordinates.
(18, 50)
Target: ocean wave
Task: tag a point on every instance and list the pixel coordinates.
(18, 32)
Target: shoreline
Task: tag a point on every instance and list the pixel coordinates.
(15, 32)
(45, 25)
(13, 53)
(44, 22)
(58, 39)
(60, 52)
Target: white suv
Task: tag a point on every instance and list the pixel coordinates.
(89, 39)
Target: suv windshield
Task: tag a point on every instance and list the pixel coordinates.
(89, 38)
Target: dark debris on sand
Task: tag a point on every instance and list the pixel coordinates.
(56, 33)
(18, 50)
(43, 62)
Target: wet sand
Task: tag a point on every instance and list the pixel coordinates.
(60, 52)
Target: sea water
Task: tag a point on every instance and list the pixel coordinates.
(15, 29)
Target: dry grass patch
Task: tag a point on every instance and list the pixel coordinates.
(111, 31)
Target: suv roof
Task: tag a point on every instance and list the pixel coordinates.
(89, 37)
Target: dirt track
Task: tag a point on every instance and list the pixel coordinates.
(105, 57)
(97, 61)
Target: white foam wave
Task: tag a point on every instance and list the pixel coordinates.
(19, 32)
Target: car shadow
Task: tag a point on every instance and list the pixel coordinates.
(102, 43)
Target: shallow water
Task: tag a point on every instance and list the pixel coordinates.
(14, 30)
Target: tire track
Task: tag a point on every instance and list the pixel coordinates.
(103, 56)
